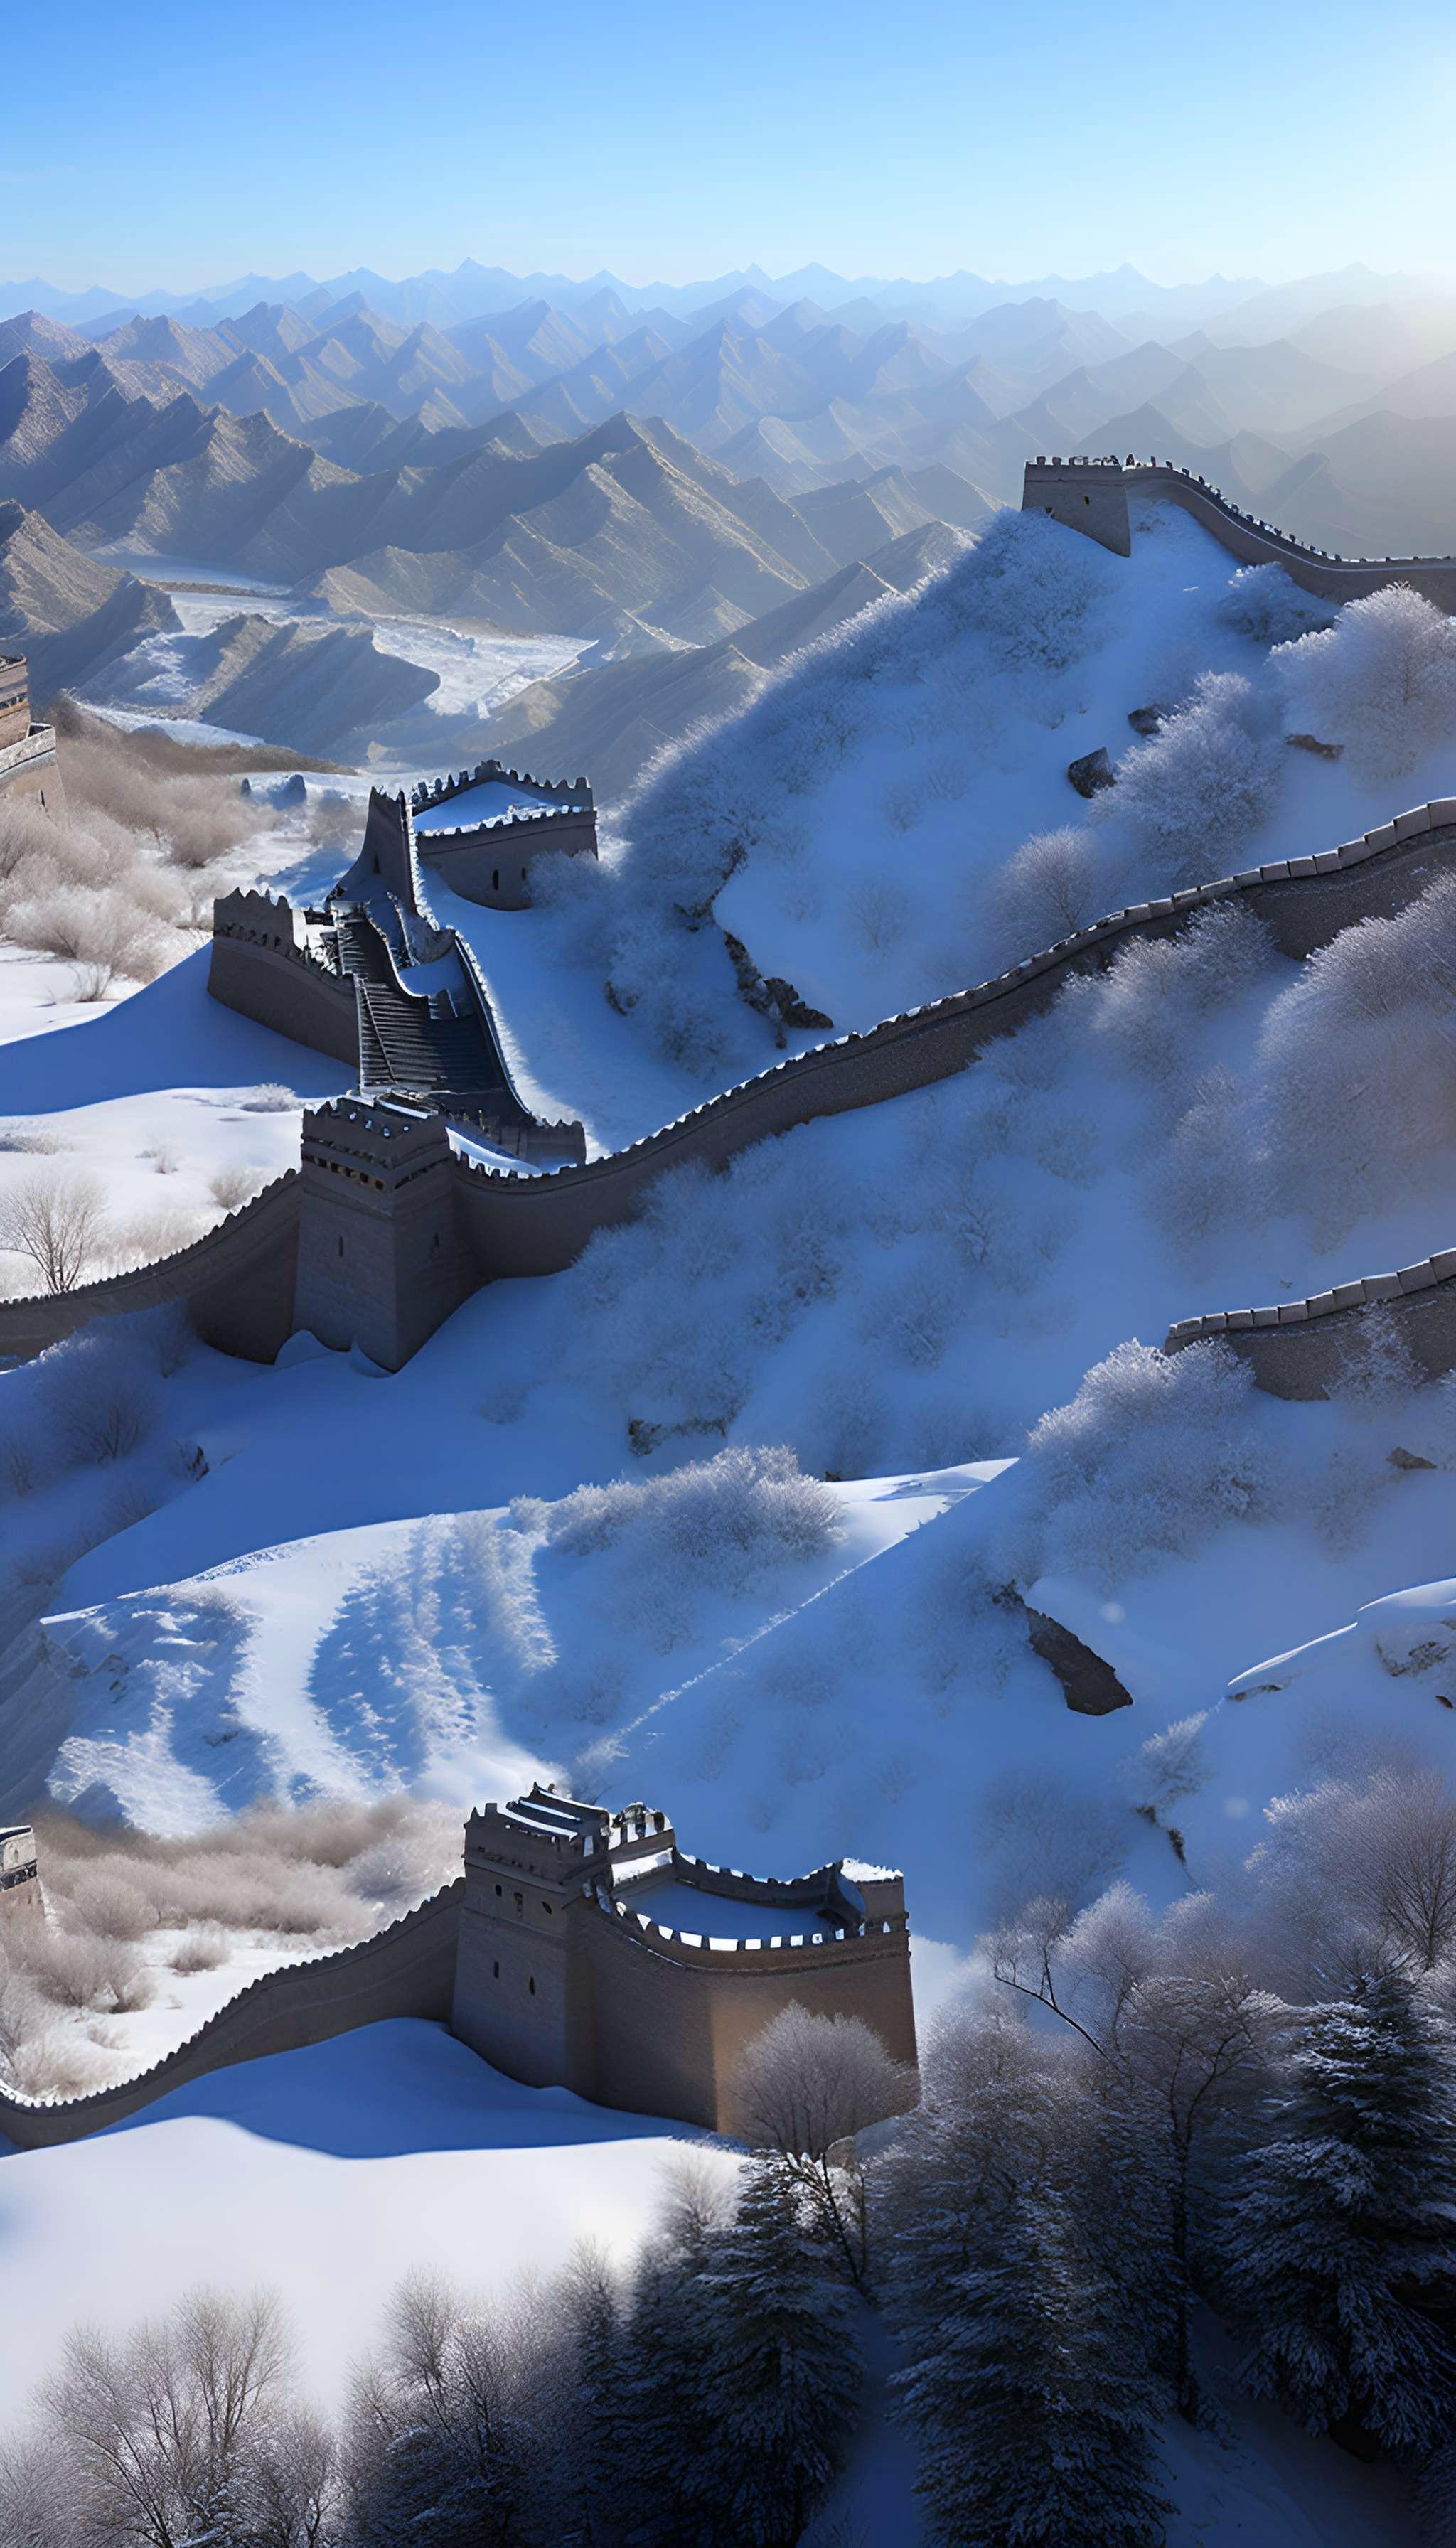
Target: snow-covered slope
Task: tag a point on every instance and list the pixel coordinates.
(855, 828)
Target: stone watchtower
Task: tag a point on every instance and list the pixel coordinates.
(382, 1262)
(524, 1986)
(1087, 496)
(595, 1954)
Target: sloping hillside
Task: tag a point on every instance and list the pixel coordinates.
(70, 615)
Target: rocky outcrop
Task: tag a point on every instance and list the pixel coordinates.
(1092, 771)
(1090, 1685)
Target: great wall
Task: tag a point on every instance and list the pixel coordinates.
(385, 1227)
(548, 1957)
(1091, 497)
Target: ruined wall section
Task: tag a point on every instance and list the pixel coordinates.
(405, 1971)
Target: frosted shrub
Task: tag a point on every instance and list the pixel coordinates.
(270, 1098)
(145, 1237)
(846, 1422)
(1212, 1176)
(1357, 1061)
(201, 1950)
(1154, 1454)
(98, 1396)
(1188, 795)
(1030, 587)
(232, 1187)
(76, 1970)
(1382, 681)
(1056, 882)
(101, 930)
(51, 2062)
(1157, 990)
(878, 915)
(726, 1520)
(1265, 604)
(1170, 1766)
(108, 1904)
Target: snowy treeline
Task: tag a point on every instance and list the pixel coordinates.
(704, 2397)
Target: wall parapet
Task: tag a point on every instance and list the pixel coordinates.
(784, 1954)
(439, 791)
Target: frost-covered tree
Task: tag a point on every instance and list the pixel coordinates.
(1187, 796)
(156, 2435)
(445, 2444)
(1171, 1765)
(784, 2403)
(1382, 681)
(1356, 1061)
(1032, 2411)
(586, 2402)
(1265, 604)
(670, 2375)
(1339, 2246)
(802, 2088)
(1358, 1867)
(1154, 1454)
(1183, 2033)
(1056, 882)
(53, 1217)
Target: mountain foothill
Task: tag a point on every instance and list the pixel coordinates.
(686, 483)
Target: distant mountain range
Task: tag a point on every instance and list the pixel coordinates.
(706, 471)
(474, 291)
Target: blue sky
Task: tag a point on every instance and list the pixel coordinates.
(179, 146)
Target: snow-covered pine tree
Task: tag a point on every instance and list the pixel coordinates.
(1029, 2400)
(667, 2378)
(595, 2474)
(786, 2367)
(1338, 2249)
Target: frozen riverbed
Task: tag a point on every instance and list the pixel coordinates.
(477, 671)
